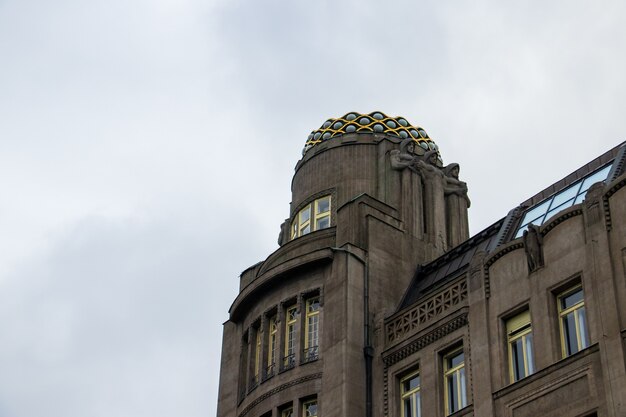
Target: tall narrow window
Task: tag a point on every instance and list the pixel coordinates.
(454, 376)
(257, 356)
(271, 345)
(314, 216)
(520, 340)
(290, 338)
(572, 321)
(410, 396)
(309, 409)
(312, 330)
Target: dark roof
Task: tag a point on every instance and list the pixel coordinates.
(450, 265)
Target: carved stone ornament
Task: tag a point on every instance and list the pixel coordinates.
(592, 203)
(533, 246)
(475, 270)
(405, 157)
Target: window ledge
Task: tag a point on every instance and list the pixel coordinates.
(562, 363)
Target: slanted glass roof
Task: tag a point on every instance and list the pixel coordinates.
(565, 198)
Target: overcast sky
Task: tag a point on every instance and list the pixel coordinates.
(147, 149)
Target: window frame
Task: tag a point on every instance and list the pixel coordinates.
(448, 373)
(582, 335)
(519, 327)
(306, 403)
(311, 350)
(257, 355)
(289, 352)
(272, 344)
(300, 223)
(412, 394)
(287, 412)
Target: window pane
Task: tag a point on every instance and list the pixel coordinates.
(323, 205)
(418, 404)
(582, 323)
(463, 390)
(572, 299)
(305, 214)
(310, 409)
(536, 211)
(555, 210)
(313, 331)
(455, 360)
(563, 196)
(569, 327)
(322, 223)
(580, 198)
(453, 393)
(529, 353)
(411, 384)
(408, 407)
(306, 230)
(517, 356)
(598, 176)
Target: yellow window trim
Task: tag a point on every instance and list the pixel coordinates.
(273, 334)
(448, 372)
(310, 314)
(298, 224)
(405, 395)
(565, 312)
(518, 327)
(289, 325)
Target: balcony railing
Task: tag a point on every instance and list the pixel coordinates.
(269, 371)
(310, 354)
(289, 362)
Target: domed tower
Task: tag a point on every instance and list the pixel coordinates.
(371, 200)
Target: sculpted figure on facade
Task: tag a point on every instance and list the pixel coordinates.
(533, 242)
(405, 157)
(428, 167)
(457, 203)
(452, 183)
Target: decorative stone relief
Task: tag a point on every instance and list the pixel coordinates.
(475, 271)
(592, 202)
(433, 307)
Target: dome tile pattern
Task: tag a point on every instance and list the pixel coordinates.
(375, 122)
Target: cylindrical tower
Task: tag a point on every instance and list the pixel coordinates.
(371, 200)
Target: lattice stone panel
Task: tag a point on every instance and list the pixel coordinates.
(433, 307)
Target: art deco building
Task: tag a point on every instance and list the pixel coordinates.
(378, 303)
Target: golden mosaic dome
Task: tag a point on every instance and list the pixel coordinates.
(375, 122)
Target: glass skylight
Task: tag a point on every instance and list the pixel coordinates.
(565, 198)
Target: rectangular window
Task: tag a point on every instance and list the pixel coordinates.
(455, 396)
(520, 342)
(572, 321)
(287, 412)
(312, 330)
(309, 409)
(290, 337)
(271, 345)
(410, 396)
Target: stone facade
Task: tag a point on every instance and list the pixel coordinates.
(387, 284)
